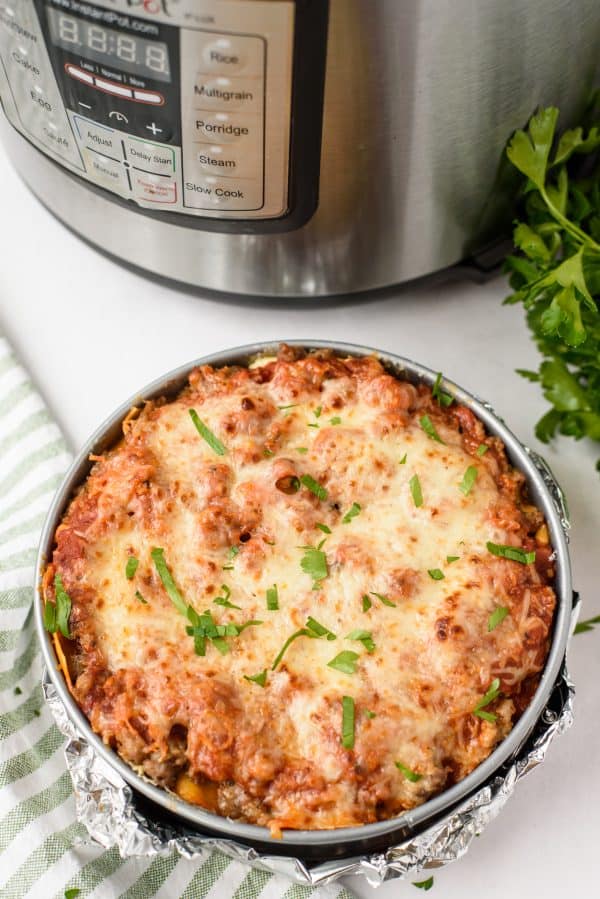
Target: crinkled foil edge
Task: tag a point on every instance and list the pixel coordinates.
(105, 803)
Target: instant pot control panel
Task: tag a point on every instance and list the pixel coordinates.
(209, 110)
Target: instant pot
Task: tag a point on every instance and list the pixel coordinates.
(284, 147)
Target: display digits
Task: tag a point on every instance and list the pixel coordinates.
(68, 30)
(126, 48)
(97, 39)
(156, 59)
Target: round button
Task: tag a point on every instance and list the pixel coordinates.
(225, 93)
(221, 126)
(223, 55)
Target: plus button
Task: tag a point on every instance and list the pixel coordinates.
(154, 129)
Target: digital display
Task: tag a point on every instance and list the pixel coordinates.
(124, 51)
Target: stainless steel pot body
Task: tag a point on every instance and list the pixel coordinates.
(347, 841)
(420, 97)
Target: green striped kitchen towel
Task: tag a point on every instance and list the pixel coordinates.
(44, 851)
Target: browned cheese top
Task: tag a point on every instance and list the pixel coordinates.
(328, 491)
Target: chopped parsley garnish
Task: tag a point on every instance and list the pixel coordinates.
(436, 574)
(72, 893)
(289, 406)
(323, 527)
(302, 632)
(267, 452)
(366, 603)
(469, 478)
(515, 553)
(336, 420)
(428, 426)
(347, 722)
(369, 714)
(314, 563)
(319, 629)
(492, 693)
(408, 772)
(317, 414)
(139, 597)
(260, 678)
(450, 559)
(415, 489)
(444, 399)
(345, 661)
(311, 629)
(272, 598)
(588, 625)
(158, 557)
(309, 482)
(352, 512)
(232, 552)
(203, 628)
(403, 459)
(363, 637)
(17, 691)
(214, 442)
(423, 884)
(56, 614)
(497, 617)
(224, 600)
(131, 567)
(482, 449)
(384, 599)
(302, 449)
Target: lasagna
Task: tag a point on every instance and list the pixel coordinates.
(304, 593)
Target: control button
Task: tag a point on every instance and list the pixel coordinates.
(216, 193)
(19, 21)
(149, 157)
(26, 60)
(224, 55)
(85, 106)
(52, 136)
(227, 93)
(79, 74)
(150, 97)
(111, 87)
(118, 116)
(229, 161)
(224, 127)
(154, 189)
(106, 172)
(97, 137)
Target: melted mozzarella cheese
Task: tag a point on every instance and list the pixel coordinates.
(432, 650)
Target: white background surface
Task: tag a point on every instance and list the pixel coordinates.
(91, 333)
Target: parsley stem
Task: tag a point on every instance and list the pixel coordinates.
(567, 224)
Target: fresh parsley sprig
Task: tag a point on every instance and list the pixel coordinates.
(556, 270)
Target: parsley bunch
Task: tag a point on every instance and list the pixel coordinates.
(556, 274)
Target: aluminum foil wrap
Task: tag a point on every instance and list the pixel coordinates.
(107, 806)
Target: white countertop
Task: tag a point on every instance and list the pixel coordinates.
(91, 333)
